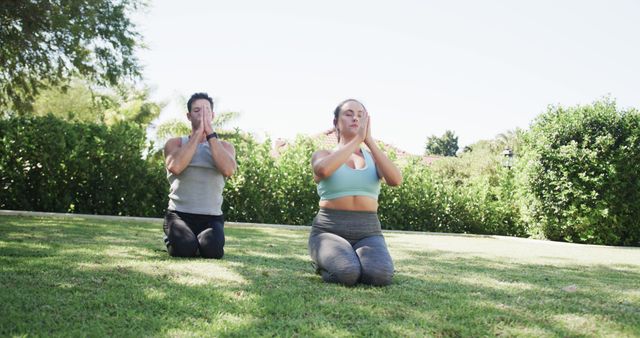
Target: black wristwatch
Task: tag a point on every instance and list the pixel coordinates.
(212, 135)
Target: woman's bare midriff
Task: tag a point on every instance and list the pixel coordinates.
(351, 203)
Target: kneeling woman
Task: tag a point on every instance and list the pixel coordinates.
(346, 240)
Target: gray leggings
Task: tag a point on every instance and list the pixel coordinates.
(348, 247)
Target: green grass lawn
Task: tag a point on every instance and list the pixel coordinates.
(84, 277)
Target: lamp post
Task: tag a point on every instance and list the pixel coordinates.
(507, 160)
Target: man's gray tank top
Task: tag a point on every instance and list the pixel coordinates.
(198, 188)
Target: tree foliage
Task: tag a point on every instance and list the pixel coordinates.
(446, 145)
(47, 42)
(83, 101)
(180, 127)
(470, 193)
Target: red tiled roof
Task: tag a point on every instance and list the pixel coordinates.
(328, 140)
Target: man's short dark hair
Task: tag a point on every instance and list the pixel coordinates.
(198, 96)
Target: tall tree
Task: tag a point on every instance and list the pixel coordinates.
(86, 102)
(179, 127)
(510, 139)
(446, 145)
(45, 42)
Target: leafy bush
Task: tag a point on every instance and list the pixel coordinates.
(52, 165)
(47, 164)
(247, 193)
(478, 191)
(576, 178)
(296, 198)
(271, 189)
(580, 179)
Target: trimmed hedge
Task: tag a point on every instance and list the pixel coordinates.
(576, 179)
(269, 189)
(580, 174)
(52, 165)
(47, 164)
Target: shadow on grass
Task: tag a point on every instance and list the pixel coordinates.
(541, 299)
(82, 277)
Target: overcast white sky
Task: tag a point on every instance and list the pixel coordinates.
(478, 68)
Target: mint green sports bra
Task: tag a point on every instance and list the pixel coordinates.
(346, 181)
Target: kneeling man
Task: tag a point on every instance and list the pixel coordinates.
(197, 166)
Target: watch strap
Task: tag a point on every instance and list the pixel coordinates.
(212, 135)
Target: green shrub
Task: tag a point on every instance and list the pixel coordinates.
(296, 199)
(414, 205)
(478, 191)
(47, 164)
(52, 165)
(246, 194)
(580, 179)
(271, 189)
(576, 178)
